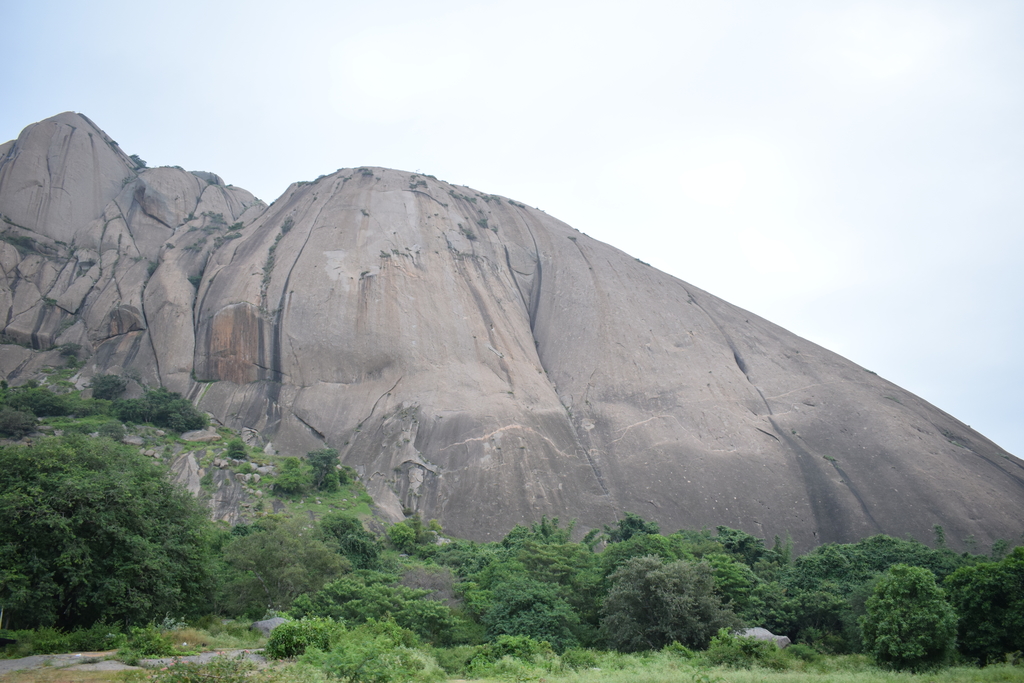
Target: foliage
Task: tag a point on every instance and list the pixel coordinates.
(236, 450)
(629, 526)
(324, 462)
(291, 479)
(365, 596)
(48, 640)
(989, 598)
(294, 638)
(741, 652)
(219, 669)
(146, 641)
(377, 652)
(652, 604)
(16, 423)
(347, 536)
(93, 530)
(407, 536)
(109, 387)
(162, 408)
(526, 607)
(908, 624)
(544, 531)
(280, 560)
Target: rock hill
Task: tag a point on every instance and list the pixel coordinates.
(476, 360)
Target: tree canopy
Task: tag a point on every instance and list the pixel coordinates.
(92, 530)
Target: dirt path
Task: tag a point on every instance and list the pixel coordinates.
(99, 661)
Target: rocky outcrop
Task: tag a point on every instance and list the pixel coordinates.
(480, 362)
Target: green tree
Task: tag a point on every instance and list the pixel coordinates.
(325, 474)
(989, 598)
(629, 526)
(275, 563)
(348, 537)
(652, 604)
(291, 479)
(525, 607)
(236, 450)
(164, 409)
(16, 423)
(109, 387)
(909, 624)
(92, 530)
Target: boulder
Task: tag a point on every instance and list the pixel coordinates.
(201, 436)
(765, 634)
(267, 625)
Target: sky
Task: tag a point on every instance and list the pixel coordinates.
(850, 170)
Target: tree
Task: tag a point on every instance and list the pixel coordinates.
(291, 479)
(350, 539)
(164, 409)
(236, 450)
(16, 423)
(324, 463)
(525, 607)
(989, 598)
(92, 530)
(629, 526)
(275, 563)
(909, 624)
(652, 604)
(109, 387)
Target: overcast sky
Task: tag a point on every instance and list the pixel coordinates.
(853, 171)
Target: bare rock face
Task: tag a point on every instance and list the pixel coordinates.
(98, 252)
(482, 363)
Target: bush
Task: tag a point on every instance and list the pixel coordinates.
(109, 387)
(39, 401)
(162, 408)
(576, 659)
(294, 638)
(92, 530)
(457, 661)
(325, 474)
(291, 480)
(740, 652)
(112, 430)
(651, 605)
(16, 423)
(377, 652)
(145, 641)
(909, 624)
(219, 669)
(236, 450)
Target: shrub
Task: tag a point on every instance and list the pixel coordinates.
(145, 641)
(576, 659)
(909, 624)
(236, 450)
(292, 639)
(651, 605)
(291, 479)
(324, 462)
(219, 669)
(377, 652)
(162, 408)
(93, 530)
(109, 387)
(740, 652)
(112, 430)
(16, 423)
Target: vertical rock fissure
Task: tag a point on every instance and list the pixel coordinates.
(737, 358)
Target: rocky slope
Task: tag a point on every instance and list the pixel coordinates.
(476, 360)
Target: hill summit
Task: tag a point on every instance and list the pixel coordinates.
(476, 360)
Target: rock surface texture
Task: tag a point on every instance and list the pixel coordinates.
(477, 361)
